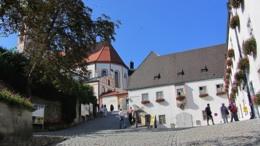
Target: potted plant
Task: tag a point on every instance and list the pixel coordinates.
(239, 76)
(235, 3)
(243, 64)
(227, 76)
(229, 62)
(145, 102)
(250, 46)
(228, 70)
(234, 22)
(257, 99)
(160, 99)
(232, 96)
(231, 53)
(234, 90)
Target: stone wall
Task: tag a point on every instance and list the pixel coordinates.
(15, 124)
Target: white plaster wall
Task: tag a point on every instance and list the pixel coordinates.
(251, 10)
(194, 106)
(92, 68)
(121, 69)
(110, 100)
(154, 108)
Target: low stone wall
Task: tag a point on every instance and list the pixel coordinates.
(15, 124)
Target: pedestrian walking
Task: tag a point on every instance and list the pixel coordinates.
(111, 107)
(224, 113)
(130, 115)
(105, 110)
(102, 110)
(121, 119)
(209, 114)
(233, 109)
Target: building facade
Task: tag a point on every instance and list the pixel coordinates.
(242, 77)
(176, 88)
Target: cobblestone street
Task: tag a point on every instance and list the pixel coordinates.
(105, 132)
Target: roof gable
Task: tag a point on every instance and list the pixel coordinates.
(105, 53)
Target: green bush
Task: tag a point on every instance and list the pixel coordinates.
(15, 100)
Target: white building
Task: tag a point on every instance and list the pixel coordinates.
(176, 88)
(243, 78)
(107, 73)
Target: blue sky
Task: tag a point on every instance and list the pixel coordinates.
(162, 26)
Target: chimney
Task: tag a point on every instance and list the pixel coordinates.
(131, 65)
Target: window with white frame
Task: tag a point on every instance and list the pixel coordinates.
(162, 119)
(203, 90)
(145, 97)
(220, 88)
(159, 95)
(180, 92)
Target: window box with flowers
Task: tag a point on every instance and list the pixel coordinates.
(159, 96)
(203, 92)
(145, 102)
(234, 22)
(229, 62)
(250, 47)
(243, 64)
(236, 3)
(231, 53)
(145, 98)
(160, 99)
(220, 90)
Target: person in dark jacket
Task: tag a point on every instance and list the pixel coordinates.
(209, 114)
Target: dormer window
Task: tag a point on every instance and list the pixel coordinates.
(157, 77)
(181, 73)
(205, 69)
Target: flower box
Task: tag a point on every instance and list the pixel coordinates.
(204, 95)
(221, 93)
(145, 101)
(160, 100)
(180, 98)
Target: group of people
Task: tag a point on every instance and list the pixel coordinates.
(123, 116)
(224, 113)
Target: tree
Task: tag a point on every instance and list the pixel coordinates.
(58, 35)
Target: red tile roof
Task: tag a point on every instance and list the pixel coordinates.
(105, 53)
